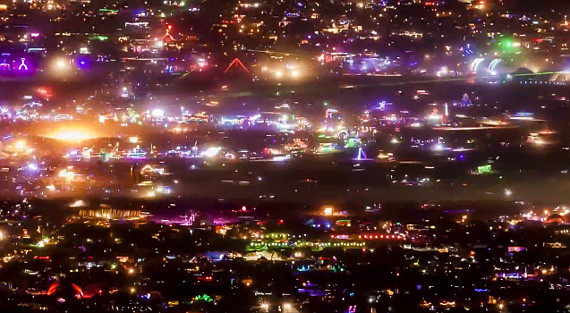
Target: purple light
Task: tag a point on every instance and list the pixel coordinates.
(361, 155)
(313, 292)
(5, 66)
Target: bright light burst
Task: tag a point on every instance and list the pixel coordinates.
(71, 135)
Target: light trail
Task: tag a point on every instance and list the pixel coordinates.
(239, 94)
(473, 128)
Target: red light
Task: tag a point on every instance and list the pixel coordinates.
(52, 289)
(43, 91)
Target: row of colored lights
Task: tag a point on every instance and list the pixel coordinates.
(399, 236)
(310, 244)
(347, 237)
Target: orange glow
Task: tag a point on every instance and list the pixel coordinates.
(71, 135)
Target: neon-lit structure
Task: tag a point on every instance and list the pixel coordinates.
(153, 170)
(362, 64)
(167, 36)
(361, 155)
(475, 64)
(236, 63)
(14, 64)
(22, 66)
(136, 153)
(203, 298)
(493, 66)
(5, 66)
(79, 294)
(256, 246)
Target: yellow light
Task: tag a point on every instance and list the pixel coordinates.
(20, 145)
(70, 135)
(133, 139)
(77, 204)
(60, 65)
(328, 211)
(295, 74)
(278, 74)
(68, 175)
(212, 151)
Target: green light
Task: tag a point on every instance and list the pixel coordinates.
(507, 44)
(352, 143)
(484, 169)
(99, 37)
(203, 298)
(109, 10)
(325, 103)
